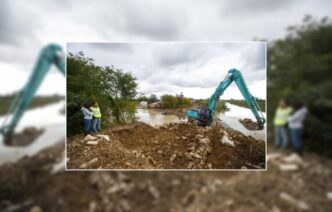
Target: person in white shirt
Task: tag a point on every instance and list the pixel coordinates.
(295, 123)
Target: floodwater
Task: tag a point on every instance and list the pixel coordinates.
(229, 119)
(50, 119)
(155, 117)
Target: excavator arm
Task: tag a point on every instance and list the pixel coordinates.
(50, 54)
(205, 116)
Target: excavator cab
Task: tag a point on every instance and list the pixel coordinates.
(201, 116)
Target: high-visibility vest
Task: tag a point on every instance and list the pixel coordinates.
(281, 116)
(96, 112)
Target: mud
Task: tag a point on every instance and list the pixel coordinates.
(25, 138)
(249, 124)
(30, 184)
(171, 146)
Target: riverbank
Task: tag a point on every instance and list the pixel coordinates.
(170, 146)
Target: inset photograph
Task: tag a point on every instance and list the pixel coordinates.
(166, 106)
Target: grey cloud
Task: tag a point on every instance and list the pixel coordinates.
(240, 7)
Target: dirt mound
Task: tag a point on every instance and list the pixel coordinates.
(250, 125)
(172, 146)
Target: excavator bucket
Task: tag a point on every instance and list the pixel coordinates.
(24, 138)
(251, 125)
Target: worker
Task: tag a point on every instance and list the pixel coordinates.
(87, 115)
(295, 122)
(280, 124)
(96, 117)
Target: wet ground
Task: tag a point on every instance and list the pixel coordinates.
(171, 146)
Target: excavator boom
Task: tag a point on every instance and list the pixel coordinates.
(205, 116)
(50, 54)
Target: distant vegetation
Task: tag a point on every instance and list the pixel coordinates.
(38, 101)
(243, 103)
(178, 101)
(220, 106)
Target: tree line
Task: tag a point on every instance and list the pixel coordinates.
(112, 88)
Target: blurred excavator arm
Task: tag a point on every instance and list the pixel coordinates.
(50, 54)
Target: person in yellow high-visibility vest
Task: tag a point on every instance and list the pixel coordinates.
(96, 123)
(280, 124)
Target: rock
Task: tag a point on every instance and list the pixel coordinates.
(116, 188)
(190, 165)
(104, 137)
(154, 192)
(173, 157)
(208, 149)
(299, 204)
(293, 158)
(89, 163)
(36, 208)
(199, 136)
(204, 140)
(329, 195)
(288, 167)
(59, 167)
(160, 152)
(92, 142)
(227, 142)
(125, 205)
(197, 156)
(92, 206)
(89, 138)
(273, 156)
(243, 167)
(210, 166)
(184, 138)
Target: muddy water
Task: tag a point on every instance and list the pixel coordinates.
(229, 119)
(155, 117)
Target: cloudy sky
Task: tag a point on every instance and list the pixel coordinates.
(194, 68)
(26, 26)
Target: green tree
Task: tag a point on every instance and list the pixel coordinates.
(153, 98)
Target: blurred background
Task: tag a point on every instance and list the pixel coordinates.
(299, 62)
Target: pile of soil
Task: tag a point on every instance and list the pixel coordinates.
(29, 185)
(250, 125)
(24, 138)
(171, 146)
